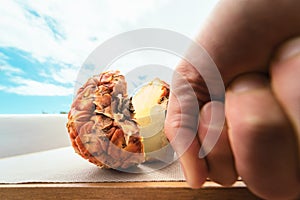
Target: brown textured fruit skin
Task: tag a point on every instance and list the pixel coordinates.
(99, 113)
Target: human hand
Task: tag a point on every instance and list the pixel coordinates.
(255, 48)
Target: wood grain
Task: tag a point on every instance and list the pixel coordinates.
(115, 191)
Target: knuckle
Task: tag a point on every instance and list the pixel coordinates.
(272, 128)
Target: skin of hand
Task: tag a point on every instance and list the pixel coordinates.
(255, 47)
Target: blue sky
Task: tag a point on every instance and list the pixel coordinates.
(44, 43)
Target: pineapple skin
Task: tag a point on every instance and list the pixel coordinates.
(100, 123)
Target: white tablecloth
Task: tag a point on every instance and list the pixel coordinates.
(64, 165)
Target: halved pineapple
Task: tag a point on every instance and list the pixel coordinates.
(112, 130)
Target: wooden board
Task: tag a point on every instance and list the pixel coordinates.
(121, 191)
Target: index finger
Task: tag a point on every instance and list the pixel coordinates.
(186, 98)
(181, 130)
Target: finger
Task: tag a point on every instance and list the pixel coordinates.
(220, 161)
(262, 138)
(285, 71)
(181, 129)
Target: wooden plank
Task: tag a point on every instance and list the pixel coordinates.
(130, 190)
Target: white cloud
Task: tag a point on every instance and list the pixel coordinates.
(84, 25)
(64, 33)
(9, 69)
(65, 74)
(81, 27)
(30, 87)
(131, 11)
(6, 68)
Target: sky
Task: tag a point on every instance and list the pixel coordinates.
(43, 44)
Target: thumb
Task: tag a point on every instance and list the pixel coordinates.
(285, 70)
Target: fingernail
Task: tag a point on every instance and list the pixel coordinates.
(288, 50)
(249, 82)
